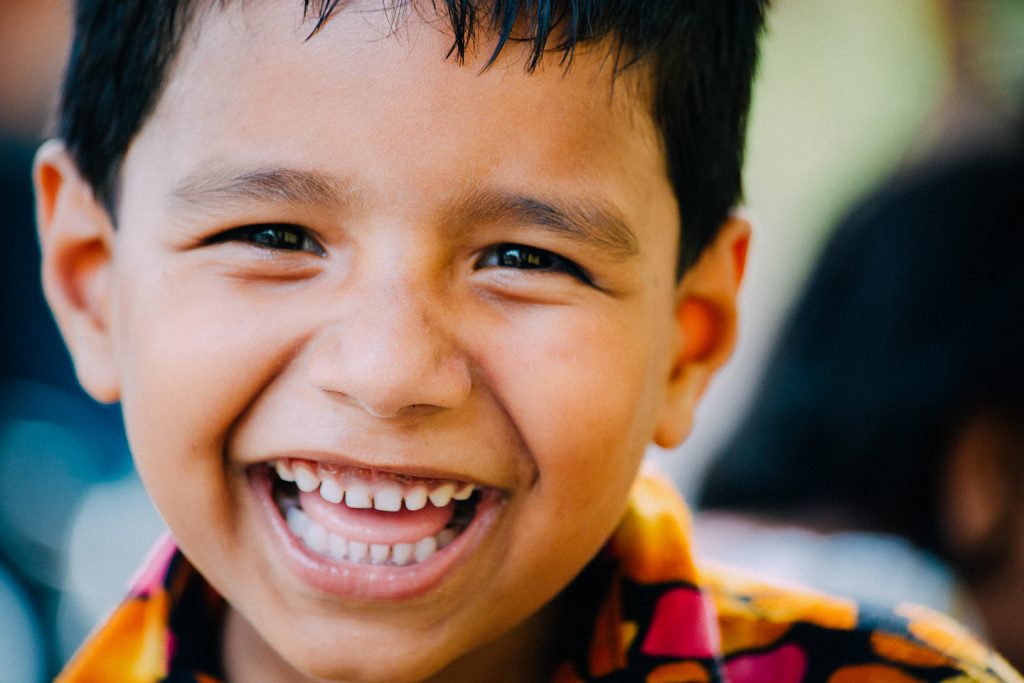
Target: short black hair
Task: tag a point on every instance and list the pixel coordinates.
(703, 55)
(909, 327)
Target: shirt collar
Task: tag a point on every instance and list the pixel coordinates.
(641, 606)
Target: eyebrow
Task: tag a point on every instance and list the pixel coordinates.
(591, 222)
(271, 185)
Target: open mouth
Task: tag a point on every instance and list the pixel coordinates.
(351, 515)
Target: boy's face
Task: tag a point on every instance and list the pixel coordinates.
(403, 337)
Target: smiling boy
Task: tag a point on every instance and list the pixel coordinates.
(394, 300)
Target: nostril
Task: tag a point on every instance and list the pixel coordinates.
(387, 410)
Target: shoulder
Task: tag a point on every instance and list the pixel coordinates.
(813, 636)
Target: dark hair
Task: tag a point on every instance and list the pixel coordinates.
(910, 325)
(702, 52)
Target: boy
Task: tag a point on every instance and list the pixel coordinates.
(394, 299)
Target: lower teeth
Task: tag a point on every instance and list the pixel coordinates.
(320, 541)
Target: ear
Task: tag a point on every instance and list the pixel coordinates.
(980, 488)
(76, 237)
(706, 320)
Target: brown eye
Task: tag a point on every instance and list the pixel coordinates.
(522, 257)
(278, 237)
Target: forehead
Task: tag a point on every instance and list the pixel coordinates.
(375, 97)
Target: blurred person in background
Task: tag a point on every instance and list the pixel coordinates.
(32, 53)
(858, 379)
(29, 69)
(56, 445)
(894, 404)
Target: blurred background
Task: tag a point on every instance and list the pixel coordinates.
(74, 521)
(850, 92)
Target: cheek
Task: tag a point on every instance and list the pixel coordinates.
(582, 390)
(581, 393)
(193, 358)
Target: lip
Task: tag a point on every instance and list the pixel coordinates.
(367, 582)
(335, 462)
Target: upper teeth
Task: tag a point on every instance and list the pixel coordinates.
(355, 492)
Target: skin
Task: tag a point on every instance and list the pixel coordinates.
(35, 39)
(983, 518)
(395, 344)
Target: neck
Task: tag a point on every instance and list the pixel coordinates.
(999, 599)
(526, 654)
(248, 657)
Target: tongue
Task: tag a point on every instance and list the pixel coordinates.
(376, 526)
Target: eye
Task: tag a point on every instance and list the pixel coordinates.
(272, 236)
(522, 257)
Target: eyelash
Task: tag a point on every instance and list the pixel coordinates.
(271, 236)
(287, 237)
(522, 257)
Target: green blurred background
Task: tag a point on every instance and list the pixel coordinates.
(849, 92)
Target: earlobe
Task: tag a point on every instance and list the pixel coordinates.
(706, 321)
(76, 237)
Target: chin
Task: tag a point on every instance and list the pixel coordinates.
(336, 650)
(384, 667)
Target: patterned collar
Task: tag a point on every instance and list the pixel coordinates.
(646, 614)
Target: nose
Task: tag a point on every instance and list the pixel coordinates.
(392, 352)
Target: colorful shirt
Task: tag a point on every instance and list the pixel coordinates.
(647, 613)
